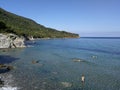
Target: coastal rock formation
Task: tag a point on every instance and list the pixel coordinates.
(30, 38)
(11, 41)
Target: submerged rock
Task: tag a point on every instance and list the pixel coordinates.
(10, 67)
(34, 61)
(5, 67)
(11, 41)
(66, 84)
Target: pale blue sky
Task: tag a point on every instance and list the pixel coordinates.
(85, 17)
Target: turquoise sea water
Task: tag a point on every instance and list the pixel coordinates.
(100, 65)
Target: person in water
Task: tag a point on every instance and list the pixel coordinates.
(83, 78)
(82, 82)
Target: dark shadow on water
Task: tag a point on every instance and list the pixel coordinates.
(4, 71)
(98, 50)
(5, 59)
(91, 49)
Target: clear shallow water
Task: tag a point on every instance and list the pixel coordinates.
(100, 65)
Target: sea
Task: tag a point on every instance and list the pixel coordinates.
(59, 64)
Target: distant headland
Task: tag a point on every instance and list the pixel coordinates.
(26, 28)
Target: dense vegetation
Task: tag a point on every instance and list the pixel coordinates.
(11, 23)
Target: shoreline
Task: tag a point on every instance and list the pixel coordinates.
(11, 40)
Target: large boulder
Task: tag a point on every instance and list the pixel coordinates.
(11, 41)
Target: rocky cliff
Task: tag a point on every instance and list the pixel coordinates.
(11, 41)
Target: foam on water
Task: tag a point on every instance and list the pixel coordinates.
(8, 88)
(8, 80)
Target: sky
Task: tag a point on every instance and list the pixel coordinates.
(88, 18)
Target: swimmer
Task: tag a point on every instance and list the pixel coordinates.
(83, 78)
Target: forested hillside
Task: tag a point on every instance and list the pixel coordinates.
(12, 23)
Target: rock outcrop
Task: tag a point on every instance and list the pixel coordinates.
(11, 41)
(30, 38)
